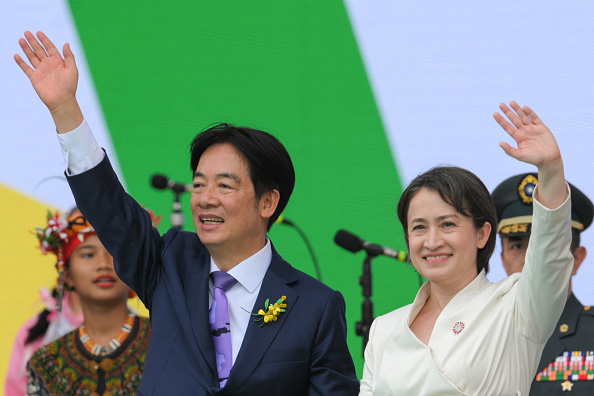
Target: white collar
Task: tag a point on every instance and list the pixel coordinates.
(250, 272)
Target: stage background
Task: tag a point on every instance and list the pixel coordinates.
(365, 95)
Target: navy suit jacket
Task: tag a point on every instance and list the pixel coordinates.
(303, 353)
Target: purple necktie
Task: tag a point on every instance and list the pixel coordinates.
(219, 324)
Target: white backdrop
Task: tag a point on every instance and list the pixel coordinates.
(26, 123)
(439, 69)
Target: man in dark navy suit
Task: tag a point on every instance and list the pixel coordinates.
(567, 362)
(268, 329)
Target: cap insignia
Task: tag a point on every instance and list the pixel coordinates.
(526, 188)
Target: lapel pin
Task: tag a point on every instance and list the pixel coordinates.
(458, 327)
(273, 311)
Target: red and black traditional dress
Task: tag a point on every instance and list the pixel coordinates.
(75, 365)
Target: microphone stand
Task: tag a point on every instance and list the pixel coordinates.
(177, 217)
(364, 325)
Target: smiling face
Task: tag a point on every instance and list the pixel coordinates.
(90, 272)
(229, 219)
(443, 243)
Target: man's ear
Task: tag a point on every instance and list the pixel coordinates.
(579, 255)
(268, 203)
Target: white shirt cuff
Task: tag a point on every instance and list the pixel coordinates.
(80, 149)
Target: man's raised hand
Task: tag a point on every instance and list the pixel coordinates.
(53, 77)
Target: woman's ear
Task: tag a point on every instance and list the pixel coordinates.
(483, 235)
(68, 279)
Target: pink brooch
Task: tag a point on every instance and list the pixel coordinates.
(458, 327)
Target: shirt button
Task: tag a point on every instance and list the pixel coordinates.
(65, 149)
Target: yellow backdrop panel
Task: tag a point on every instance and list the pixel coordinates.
(23, 268)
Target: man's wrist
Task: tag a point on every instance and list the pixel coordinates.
(67, 116)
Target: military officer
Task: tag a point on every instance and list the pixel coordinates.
(567, 362)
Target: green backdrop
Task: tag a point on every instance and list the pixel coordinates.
(163, 72)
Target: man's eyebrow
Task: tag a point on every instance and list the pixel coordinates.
(224, 175)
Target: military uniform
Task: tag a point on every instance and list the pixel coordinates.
(567, 362)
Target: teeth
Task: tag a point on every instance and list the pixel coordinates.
(438, 257)
(212, 220)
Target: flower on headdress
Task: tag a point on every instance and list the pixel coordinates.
(56, 234)
(271, 315)
(156, 220)
(61, 236)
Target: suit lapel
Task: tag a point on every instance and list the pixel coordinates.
(196, 295)
(258, 338)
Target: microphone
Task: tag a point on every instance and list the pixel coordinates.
(161, 182)
(353, 243)
(283, 220)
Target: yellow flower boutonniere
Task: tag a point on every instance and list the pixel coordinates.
(273, 311)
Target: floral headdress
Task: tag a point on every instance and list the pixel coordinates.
(61, 236)
(156, 220)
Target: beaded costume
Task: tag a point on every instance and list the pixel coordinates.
(66, 367)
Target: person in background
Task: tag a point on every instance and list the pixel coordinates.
(567, 362)
(464, 335)
(105, 354)
(61, 315)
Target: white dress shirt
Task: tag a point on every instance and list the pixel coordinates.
(82, 152)
(242, 296)
(489, 338)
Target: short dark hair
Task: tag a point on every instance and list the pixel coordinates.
(466, 193)
(269, 164)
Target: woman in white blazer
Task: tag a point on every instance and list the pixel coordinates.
(464, 335)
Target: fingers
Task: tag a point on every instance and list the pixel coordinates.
(35, 46)
(517, 116)
(69, 56)
(509, 150)
(506, 147)
(29, 52)
(532, 115)
(509, 128)
(35, 51)
(47, 43)
(525, 119)
(23, 65)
